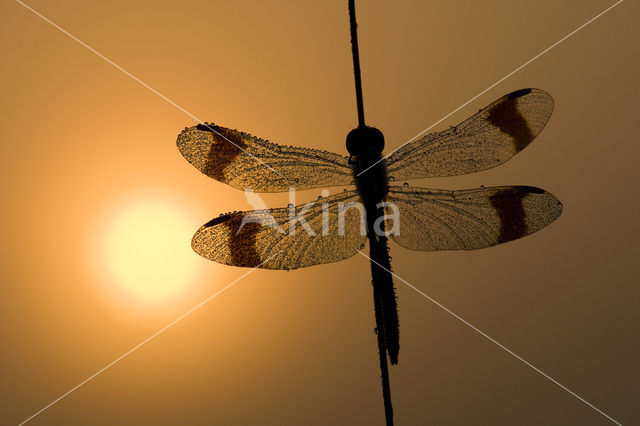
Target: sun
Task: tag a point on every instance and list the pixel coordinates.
(147, 251)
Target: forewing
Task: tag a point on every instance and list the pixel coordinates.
(485, 140)
(247, 162)
(250, 238)
(432, 219)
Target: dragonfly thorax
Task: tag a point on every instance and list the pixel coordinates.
(365, 142)
(365, 145)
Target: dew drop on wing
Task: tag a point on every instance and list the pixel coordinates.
(406, 184)
(392, 179)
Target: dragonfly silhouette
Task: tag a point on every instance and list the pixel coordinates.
(423, 219)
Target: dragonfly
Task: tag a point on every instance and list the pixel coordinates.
(416, 218)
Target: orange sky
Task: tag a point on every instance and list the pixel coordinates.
(82, 141)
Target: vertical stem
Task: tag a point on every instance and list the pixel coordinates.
(356, 61)
(378, 283)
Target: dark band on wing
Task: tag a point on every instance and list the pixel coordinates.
(241, 240)
(508, 204)
(226, 147)
(519, 93)
(506, 117)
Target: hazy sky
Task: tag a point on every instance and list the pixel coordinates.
(88, 153)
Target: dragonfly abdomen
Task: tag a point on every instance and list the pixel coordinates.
(384, 294)
(365, 146)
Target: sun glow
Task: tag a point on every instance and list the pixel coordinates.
(147, 249)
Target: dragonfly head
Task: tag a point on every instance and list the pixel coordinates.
(365, 142)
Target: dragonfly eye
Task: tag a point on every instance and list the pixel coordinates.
(365, 141)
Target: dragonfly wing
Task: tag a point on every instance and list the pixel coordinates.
(485, 140)
(432, 219)
(332, 231)
(247, 162)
